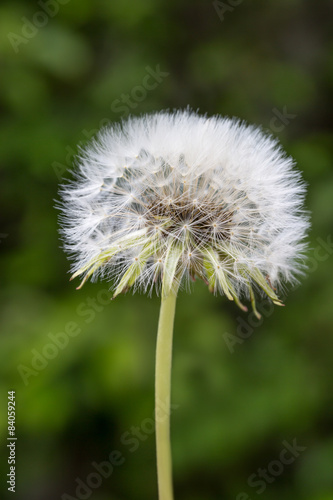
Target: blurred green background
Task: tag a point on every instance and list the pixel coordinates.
(241, 390)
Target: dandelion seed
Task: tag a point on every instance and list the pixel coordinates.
(166, 198)
(220, 185)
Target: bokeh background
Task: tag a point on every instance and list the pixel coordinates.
(241, 390)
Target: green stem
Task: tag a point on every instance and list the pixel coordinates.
(162, 395)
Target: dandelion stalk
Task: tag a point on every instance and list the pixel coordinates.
(164, 199)
(162, 395)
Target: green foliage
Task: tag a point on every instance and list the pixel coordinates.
(241, 385)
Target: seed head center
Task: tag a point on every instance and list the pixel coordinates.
(203, 220)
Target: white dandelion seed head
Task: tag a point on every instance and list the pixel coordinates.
(162, 199)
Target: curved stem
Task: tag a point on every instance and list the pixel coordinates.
(162, 395)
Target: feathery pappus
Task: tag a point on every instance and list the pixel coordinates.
(166, 198)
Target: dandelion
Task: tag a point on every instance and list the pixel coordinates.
(167, 198)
